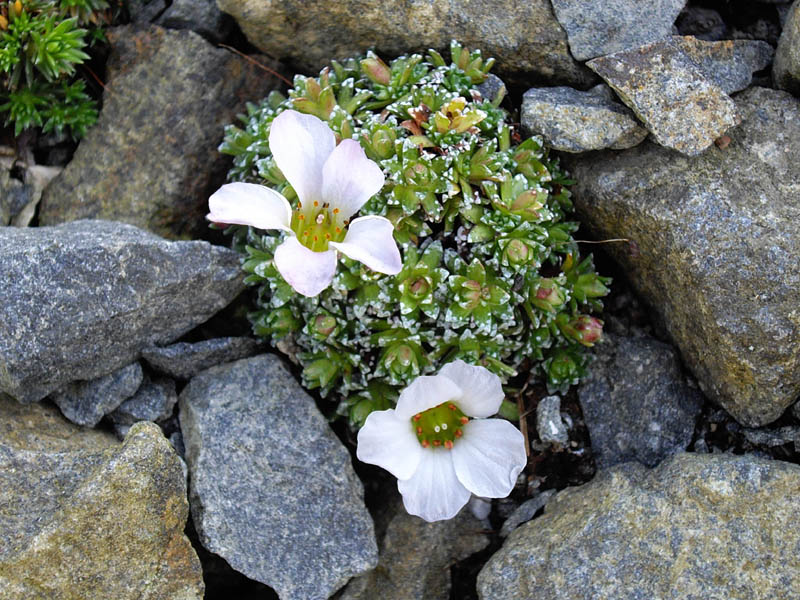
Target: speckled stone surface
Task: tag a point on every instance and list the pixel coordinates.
(151, 159)
(683, 109)
(82, 299)
(730, 63)
(717, 246)
(86, 402)
(573, 121)
(153, 401)
(272, 489)
(786, 68)
(598, 27)
(636, 401)
(524, 37)
(550, 428)
(184, 360)
(698, 526)
(82, 516)
(415, 557)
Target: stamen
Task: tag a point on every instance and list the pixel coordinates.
(464, 420)
(316, 239)
(451, 406)
(325, 205)
(299, 204)
(448, 444)
(327, 236)
(338, 230)
(301, 217)
(417, 416)
(336, 211)
(424, 443)
(459, 433)
(316, 203)
(437, 442)
(419, 430)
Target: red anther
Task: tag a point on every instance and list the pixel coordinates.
(451, 406)
(437, 442)
(424, 443)
(419, 430)
(316, 203)
(417, 416)
(459, 433)
(448, 444)
(464, 420)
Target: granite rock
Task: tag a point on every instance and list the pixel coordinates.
(636, 402)
(82, 516)
(600, 27)
(573, 121)
(525, 512)
(786, 68)
(416, 556)
(549, 425)
(272, 489)
(83, 299)
(153, 401)
(717, 242)
(86, 402)
(698, 526)
(703, 23)
(524, 37)
(667, 91)
(184, 360)
(731, 63)
(201, 16)
(151, 159)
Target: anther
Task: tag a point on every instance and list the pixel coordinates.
(301, 217)
(316, 203)
(417, 416)
(451, 406)
(424, 443)
(459, 433)
(464, 420)
(316, 239)
(325, 205)
(327, 236)
(336, 211)
(299, 204)
(419, 430)
(437, 442)
(338, 230)
(448, 444)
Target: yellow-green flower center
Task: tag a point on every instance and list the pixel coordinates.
(440, 425)
(317, 225)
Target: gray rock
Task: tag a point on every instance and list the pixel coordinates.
(524, 37)
(86, 402)
(201, 16)
(272, 489)
(151, 160)
(717, 242)
(636, 402)
(184, 360)
(493, 88)
(729, 64)
(702, 23)
(574, 121)
(796, 410)
(549, 426)
(786, 68)
(525, 512)
(81, 300)
(631, 534)
(773, 437)
(668, 92)
(82, 516)
(607, 26)
(146, 11)
(153, 401)
(415, 557)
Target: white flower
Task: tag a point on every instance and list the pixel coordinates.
(332, 183)
(439, 456)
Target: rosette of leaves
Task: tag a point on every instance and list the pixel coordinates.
(491, 273)
(42, 43)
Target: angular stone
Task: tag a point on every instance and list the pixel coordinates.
(525, 512)
(731, 63)
(786, 68)
(702, 23)
(201, 16)
(184, 360)
(86, 402)
(151, 160)
(716, 245)
(698, 526)
(415, 557)
(272, 489)
(668, 92)
(574, 121)
(83, 517)
(82, 299)
(549, 425)
(600, 27)
(153, 401)
(524, 37)
(636, 402)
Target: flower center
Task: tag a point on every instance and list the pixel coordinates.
(440, 425)
(317, 225)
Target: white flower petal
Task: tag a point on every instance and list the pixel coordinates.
(483, 390)
(370, 240)
(489, 456)
(249, 204)
(300, 145)
(425, 392)
(308, 272)
(389, 442)
(349, 178)
(434, 492)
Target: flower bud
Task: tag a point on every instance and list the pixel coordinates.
(549, 296)
(383, 142)
(418, 288)
(590, 286)
(562, 367)
(376, 70)
(517, 252)
(324, 325)
(584, 329)
(320, 373)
